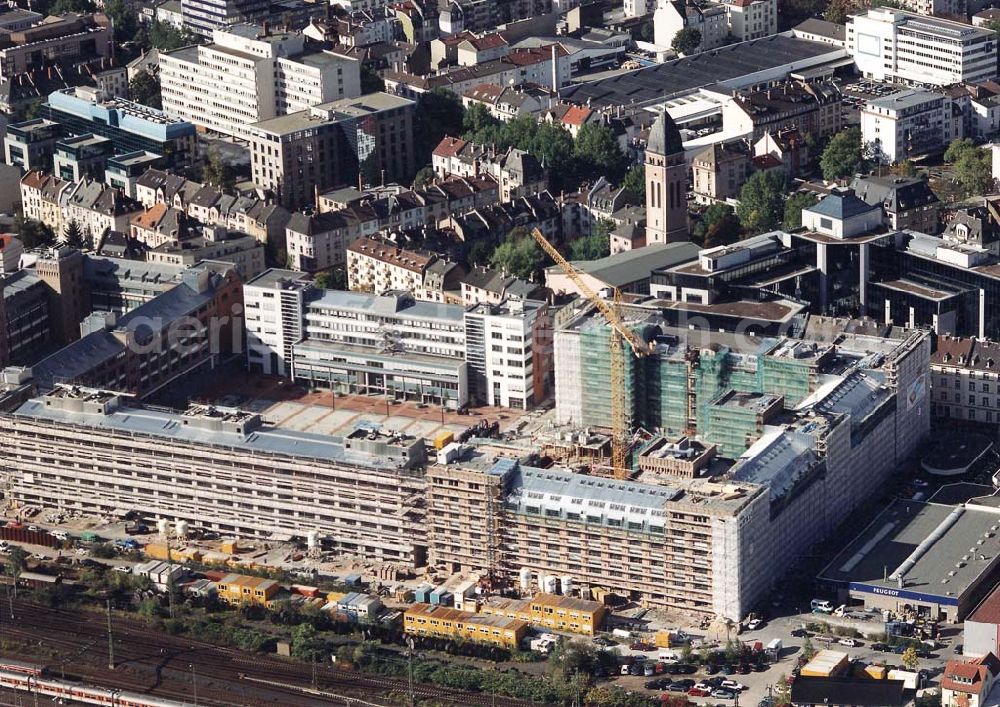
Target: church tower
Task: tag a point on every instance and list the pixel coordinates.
(666, 183)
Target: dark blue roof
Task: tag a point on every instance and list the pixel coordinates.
(841, 206)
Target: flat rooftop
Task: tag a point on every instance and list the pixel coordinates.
(936, 549)
(755, 402)
(176, 427)
(655, 83)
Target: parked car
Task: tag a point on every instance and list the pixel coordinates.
(850, 642)
(681, 669)
(648, 670)
(658, 684)
(723, 694)
(733, 685)
(641, 646)
(755, 624)
(881, 647)
(697, 691)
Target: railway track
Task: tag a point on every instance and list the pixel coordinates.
(147, 660)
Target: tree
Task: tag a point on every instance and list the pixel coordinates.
(371, 82)
(477, 118)
(686, 40)
(762, 201)
(808, 651)
(598, 154)
(634, 185)
(82, 7)
(843, 156)
(910, 659)
(596, 245)
(837, 11)
(306, 643)
(145, 88)
(423, 177)
(124, 18)
(438, 113)
(793, 209)
(972, 166)
(16, 560)
(165, 37)
(782, 692)
(73, 235)
(217, 173)
(718, 225)
(33, 234)
(906, 168)
(520, 257)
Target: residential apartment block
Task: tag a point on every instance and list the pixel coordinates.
(718, 22)
(517, 172)
(896, 46)
(249, 74)
(54, 41)
(217, 468)
(909, 124)
(965, 380)
(274, 303)
(331, 145)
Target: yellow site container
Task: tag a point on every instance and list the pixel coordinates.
(443, 440)
(662, 639)
(159, 552)
(876, 671)
(230, 547)
(335, 596)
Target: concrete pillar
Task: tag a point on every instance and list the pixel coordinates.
(863, 256)
(823, 266)
(982, 313)
(888, 311)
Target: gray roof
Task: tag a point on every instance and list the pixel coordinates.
(664, 137)
(392, 304)
(171, 425)
(596, 500)
(823, 29)
(894, 194)
(780, 462)
(635, 265)
(927, 543)
(840, 205)
(905, 99)
(654, 83)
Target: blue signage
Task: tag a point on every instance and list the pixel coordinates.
(894, 593)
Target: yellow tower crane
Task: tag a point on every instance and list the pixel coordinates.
(621, 434)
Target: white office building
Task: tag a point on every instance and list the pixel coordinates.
(908, 124)
(503, 342)
(274, 303)
(249, 74)
(903, 47)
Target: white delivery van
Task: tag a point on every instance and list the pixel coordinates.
(821, 605)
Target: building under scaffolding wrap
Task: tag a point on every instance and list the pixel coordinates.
(676, 388)
(826, 421)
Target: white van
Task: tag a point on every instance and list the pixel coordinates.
(668, 658)
(821, 605)
(60, 535)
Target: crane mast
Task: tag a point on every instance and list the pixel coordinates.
(621, 432)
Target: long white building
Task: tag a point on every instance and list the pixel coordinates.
(904, 47)
(249, 74)
(217, 468)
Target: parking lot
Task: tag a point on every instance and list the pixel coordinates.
(786, 626)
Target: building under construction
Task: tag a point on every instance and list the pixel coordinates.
(216, 468)
(815, 427)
